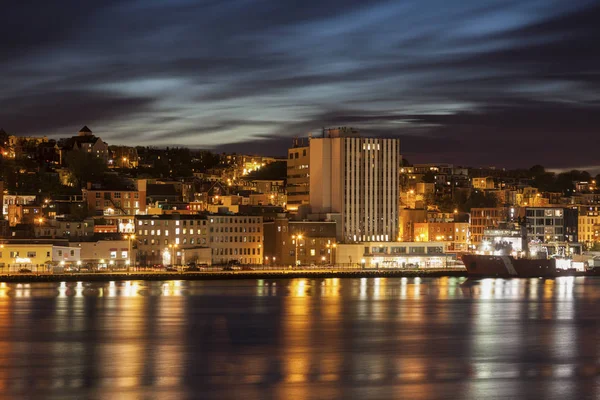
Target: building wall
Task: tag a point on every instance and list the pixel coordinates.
(128, 202)
(394, 254)
(408, 219)
(483, 183)
(115, 253)
(24, 214)
(298, 177)
(9, 199)
(64, 229)
(35, 256)
(549, 224)
(316, 246)
(230, 237)
(455, 234)
(482, 218)
(588, 224)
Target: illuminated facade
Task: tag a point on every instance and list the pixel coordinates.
(456, 234)
(357, 178)
(589, 225)
(229, 238)
(552, 224)
(104, 253)
(36, 255)
(313, 241)
(395, 255)
(116, 202)
(482, 218)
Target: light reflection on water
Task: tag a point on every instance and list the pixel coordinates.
(302, 338)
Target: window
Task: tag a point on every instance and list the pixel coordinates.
(31, 254)
(113, 254)
(124, 254)
(313, 252)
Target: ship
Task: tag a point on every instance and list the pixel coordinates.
(505, 252)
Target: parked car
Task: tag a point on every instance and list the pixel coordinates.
(170, 269)
(25, 271)
(231, 268)
(247, 268)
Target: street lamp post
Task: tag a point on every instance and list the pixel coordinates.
(330, 249)
(296, 238)
(130, 238)
(173, 247)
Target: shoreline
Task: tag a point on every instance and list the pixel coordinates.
(231, 275)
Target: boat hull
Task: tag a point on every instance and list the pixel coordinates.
(510, 267)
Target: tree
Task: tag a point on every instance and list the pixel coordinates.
(84, 168)
(273, 171)
(479, 199)
(537, 170)
(428, 177)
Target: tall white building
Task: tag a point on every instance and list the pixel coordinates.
(357, 178)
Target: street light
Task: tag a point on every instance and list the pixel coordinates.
(296, 238)
(331, 247)
(130, 238)
(173, 247)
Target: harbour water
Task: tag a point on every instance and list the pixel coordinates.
(369, 338)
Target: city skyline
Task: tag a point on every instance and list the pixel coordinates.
(515, 79)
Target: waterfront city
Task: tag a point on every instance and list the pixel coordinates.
(244, 199)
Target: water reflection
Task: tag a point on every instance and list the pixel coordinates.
(302, 338)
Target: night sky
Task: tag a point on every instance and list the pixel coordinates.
(470, 82)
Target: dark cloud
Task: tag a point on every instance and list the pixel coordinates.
(472, 82)
(62, 113)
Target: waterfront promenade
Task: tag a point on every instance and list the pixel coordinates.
(219, 273)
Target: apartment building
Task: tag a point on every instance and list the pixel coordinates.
(305, 242)
(482, 218)
(166, 238)
(456, 234)
(549, 224)
(589, 225)
(106, 201)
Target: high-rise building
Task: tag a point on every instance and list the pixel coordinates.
(357, 178)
